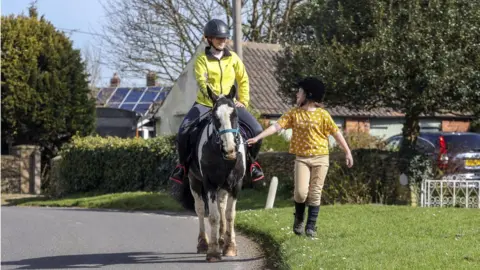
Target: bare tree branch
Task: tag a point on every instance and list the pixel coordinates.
(92, 58)
(162, 35)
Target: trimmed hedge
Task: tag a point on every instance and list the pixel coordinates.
(372, 179)
(114, 164)
(103, 165)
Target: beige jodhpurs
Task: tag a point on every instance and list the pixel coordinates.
(310, 173)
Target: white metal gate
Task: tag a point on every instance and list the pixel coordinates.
(450, 193)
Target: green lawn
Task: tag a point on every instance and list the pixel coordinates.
(372, 237)
(349, 236)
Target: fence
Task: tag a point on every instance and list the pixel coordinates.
(450, 193)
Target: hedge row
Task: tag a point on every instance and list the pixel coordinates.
(113, 165)
(372, 179)
(96, 164)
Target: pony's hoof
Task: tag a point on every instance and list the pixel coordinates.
(202, 246)
(202, 249)
(214, 257)
(221, 242)
(230, 250)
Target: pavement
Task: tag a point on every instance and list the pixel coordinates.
(74, 238)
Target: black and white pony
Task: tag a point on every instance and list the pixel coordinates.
(216, 171)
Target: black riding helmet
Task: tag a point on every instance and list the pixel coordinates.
(313, 87)
(216, 28)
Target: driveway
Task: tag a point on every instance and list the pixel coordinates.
(59, 238)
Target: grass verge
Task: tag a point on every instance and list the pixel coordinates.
(371, 237)
(249, 199)
(123, 201)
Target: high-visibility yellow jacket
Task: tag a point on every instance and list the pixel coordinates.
(220, 76)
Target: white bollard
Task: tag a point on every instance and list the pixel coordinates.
(271, 193)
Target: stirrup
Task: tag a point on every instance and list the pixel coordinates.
(184, 172)
(252, 166)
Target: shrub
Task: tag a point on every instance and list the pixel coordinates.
(372, 179)
(275, 142)
(361, 140)
(114, 164)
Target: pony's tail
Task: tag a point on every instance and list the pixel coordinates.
(182, 194)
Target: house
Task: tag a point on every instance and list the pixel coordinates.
(125, 111)
(259, 59)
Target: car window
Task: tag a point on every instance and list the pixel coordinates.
(463, 142)
(393, 144)
(424, 146)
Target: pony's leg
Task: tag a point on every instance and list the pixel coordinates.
(230, 248)
(222, 205)
(214, 251)
(202, 244)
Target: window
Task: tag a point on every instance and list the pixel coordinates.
(393, 144)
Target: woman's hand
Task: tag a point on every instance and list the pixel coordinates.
(239, 104)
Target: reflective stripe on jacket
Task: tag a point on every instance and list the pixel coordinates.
(220, 76)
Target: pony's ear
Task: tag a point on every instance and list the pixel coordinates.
(233, 92)
(212, 95)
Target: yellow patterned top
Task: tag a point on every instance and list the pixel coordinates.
(310, 131)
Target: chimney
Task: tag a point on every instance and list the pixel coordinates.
(151, 78)
(115, 80)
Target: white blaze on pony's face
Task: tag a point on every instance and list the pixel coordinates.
(224, 113)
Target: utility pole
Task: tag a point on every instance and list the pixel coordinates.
(237, 27)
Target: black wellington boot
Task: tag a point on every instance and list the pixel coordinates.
(310, 228)
(299, 217)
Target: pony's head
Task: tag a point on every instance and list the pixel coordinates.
(225, 122)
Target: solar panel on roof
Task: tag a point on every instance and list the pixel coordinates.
(137, 99)
(155, 88)
(113, 104)
(135, 95)
(127, 106)
(142, 108)
(119, 95)
(149, 96)
(104, 94)
(161, 96)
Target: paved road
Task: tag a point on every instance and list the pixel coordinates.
(55, 238)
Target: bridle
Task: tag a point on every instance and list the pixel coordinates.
(218, 133)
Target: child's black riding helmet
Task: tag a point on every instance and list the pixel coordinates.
(313, 87)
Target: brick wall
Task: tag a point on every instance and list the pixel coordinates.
(358, 125)
(21, 171)
(10, 174)
(455, 125)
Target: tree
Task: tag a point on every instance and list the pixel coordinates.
(162, 35)
(416, 57)
(92, 59)
(44, 85)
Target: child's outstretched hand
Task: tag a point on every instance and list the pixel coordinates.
(251, 141)
(349, 160)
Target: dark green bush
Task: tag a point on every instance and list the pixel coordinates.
(114, 164)
(372, 179)
(96, 164)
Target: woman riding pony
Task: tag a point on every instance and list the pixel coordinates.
(218, 68)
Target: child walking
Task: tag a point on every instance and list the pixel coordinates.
(311, 126)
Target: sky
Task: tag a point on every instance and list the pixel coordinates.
(77, 15)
